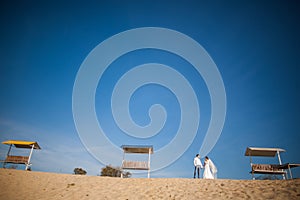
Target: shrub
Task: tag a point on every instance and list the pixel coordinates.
(79, 171)
(114, 172)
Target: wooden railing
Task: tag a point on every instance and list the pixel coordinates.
(137, 165)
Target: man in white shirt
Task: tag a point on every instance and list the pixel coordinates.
(198, 165)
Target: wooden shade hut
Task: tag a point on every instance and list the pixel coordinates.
(137, 165)
(274, 169)
(20, 159)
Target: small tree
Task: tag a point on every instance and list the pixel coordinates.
(79, 171)
(114, 172)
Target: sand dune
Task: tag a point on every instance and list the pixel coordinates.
(17, 184)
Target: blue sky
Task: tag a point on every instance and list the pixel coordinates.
(254, 44)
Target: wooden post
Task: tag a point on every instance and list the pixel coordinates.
(279, 159)
(291, 177)
(4, 163)
(122, 164)
(149, 163)
(28, 162)
(252, 173)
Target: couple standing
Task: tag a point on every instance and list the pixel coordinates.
(210, 170)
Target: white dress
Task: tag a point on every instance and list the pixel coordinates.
(207, 171)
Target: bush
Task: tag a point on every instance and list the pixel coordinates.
(79, 171)
(114, 172)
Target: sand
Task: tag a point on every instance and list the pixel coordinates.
(18, 184)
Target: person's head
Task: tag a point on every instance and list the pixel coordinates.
(206, 158)
(197, 155)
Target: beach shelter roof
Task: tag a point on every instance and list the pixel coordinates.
(266, 152)
(22, 144)
(137, 149)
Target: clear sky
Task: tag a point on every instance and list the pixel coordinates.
(254, 44)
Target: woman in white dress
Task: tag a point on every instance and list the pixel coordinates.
(210, 169)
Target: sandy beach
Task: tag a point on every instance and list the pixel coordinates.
(17, 184)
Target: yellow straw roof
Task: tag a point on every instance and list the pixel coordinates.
(22, 144)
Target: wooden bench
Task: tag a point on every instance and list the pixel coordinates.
(267, 169)
(17, 159)
(136, 165)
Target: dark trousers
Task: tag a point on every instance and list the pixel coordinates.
(197, 168)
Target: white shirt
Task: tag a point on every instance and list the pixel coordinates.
(197, 162)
